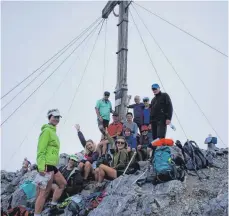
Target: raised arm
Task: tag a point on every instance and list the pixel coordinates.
(80, 135)
(131, 106)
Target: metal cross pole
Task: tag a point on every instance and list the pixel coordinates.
(121, 86)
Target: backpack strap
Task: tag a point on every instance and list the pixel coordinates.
(63, 168)
(72, 172)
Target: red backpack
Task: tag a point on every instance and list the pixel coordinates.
(18, 211)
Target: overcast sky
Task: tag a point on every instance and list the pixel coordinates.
(33, 31)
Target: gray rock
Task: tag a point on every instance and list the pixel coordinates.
(217, 206)
(19, 198)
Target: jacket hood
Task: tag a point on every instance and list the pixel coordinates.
(48, 126)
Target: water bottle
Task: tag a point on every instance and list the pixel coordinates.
(172, 126)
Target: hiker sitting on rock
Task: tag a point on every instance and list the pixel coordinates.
(115, 128)
(102, 146)
(91, 155)
(73, 177)
(119, 162)
(144, 144)
(131, 141)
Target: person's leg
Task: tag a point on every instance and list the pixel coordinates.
(104, 149)
(61, 183)
(41, 198)
(87, 169)
(81, 166)
(139, 154)
(105, 123)
(161, 129)
(96, 173)
(154, 130)
(106, 170)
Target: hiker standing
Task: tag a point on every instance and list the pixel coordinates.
(138, 111)
(103, 109)
(161, 112)
(47, 160)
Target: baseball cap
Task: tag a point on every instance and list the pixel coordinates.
(155, 85)
(144, 128)
(54, 112)
(145, 99)
(107, 93)
(73, 157)
(115, 114)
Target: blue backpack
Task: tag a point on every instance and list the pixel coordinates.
(162, 161)
(164, 166)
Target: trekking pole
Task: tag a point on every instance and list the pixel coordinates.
(132, 158)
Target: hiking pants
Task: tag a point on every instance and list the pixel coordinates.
(159, 129)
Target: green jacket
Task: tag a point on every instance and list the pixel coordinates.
(48, 147)
(120, 160)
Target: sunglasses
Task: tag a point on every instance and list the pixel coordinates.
(145, 101)
(154, 89)
(57, 117)
(107, 95)
(119, 142)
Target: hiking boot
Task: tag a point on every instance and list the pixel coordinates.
(54, 210)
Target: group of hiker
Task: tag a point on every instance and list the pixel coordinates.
(122, 142)
(110, 157)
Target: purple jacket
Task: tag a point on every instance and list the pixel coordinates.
(138, 112)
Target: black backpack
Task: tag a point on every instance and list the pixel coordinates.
(194, 157)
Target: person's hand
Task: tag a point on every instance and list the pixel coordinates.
(149, 127)
(106, 132)
(42, 173)
(139, 147)
(167, 122)
(77, 127)
(128, 149)
(100, 118)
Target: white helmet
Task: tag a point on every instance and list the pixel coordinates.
(54, 112)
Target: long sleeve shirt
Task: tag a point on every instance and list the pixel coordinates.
(132, 126)
(92, 156)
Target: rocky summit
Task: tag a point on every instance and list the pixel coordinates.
(205, 197)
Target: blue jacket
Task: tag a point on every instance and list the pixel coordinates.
(132, 142)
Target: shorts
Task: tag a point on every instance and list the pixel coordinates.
(50, 168)
(119, 173)
(105, 123)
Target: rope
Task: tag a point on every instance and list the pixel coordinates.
(105, 47)
(81, 79)
(184, 31)
(178, 76)
(66, 46)
(47, 78)
(48, 101)
(41, 72)
(156, 71)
